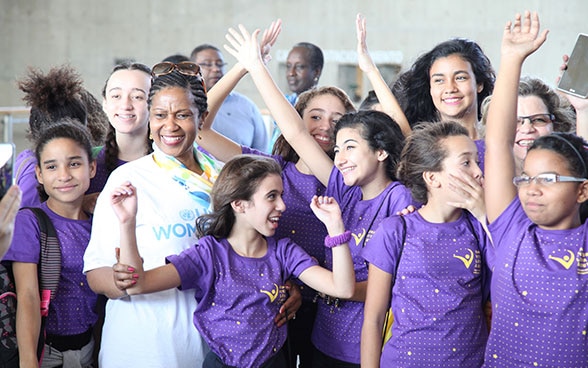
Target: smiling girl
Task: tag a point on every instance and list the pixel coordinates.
(237, 268)
(540, 310)
(428, 266)
(64, 169)
(361, 179)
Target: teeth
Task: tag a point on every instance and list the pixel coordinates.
(274, 219)
(525, 142)
(171, 139)
(322, 138)
(346, 169)
(126, 116)
(451, 100)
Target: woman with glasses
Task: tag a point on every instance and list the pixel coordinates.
(540, 279)
(174, 183)
(540, 111)
(238, 118)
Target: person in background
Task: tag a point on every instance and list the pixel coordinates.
(238, 118)
(304, 66)
(449, 83)
(52, 96)
(124, 99)
(540, 111)
(176, 58)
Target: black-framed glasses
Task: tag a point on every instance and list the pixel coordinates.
(536, 120)
(184, 67)
(545, 179)
(218, 64)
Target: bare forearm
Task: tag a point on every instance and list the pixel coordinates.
(387, 100)
(28, 325)
(101, 281)
(371, 343)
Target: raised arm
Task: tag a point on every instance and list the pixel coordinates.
(385, 96)
(136, 280)
(519, 40)
(217, 144)
(245, 48)
(341, 281)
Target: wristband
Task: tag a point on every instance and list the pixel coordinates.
(334, 241)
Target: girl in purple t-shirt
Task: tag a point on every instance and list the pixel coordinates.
(540, 279)
(361, 178)
(237, 269)
(64, 169)
(428, 266)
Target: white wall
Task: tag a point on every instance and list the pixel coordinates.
(90, 35)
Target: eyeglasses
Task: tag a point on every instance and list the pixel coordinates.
(184, 67)
(218, 64)
(537, 120)
(544, 179)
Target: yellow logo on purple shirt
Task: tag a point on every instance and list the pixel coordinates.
(567, 260)
(466, 259)
(358, 237)
(278, 292)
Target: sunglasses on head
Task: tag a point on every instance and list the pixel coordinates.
(185, 67)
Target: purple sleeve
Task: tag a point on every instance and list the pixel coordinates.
(383, 249)
(27, 179)
(511, 220)
(293, 257)
(195, 266)
(336, 186)
(25, 246)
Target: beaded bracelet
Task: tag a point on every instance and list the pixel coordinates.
(334, 241)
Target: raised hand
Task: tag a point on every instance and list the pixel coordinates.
(268, 39)
(123, 200)
(471, 193)
(365, 61)
(244, 47)
(522, 38)
(327, 210)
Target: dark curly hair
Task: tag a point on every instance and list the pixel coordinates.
(417, 82)
(52, 97)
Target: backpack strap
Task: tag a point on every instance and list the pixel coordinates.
(49, 269)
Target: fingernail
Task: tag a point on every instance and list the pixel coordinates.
(133, 282)
(131, 269)
(135, 276)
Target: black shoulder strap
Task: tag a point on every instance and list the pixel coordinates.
(50, 258)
